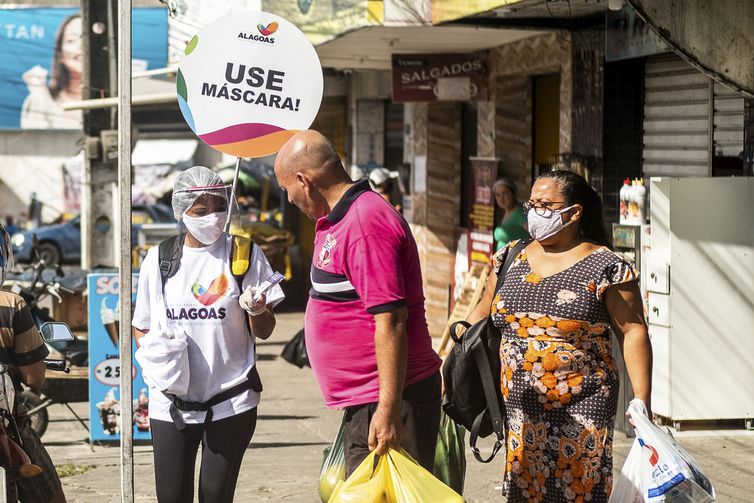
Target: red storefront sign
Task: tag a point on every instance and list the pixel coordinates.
(440, 77)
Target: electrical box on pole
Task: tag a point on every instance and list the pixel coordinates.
(99, 191)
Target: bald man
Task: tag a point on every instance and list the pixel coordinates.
(366, 332)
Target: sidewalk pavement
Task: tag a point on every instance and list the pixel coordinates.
(282, 463)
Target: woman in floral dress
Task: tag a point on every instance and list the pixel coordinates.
(555, 308)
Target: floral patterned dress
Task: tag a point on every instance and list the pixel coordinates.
(559, 379)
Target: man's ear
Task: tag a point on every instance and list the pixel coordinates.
(303, 180)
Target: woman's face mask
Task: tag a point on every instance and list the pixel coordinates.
(542, 227)
(206, 229)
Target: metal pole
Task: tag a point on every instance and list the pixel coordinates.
(233, 194)
(711, 127)
(124, 256)
(112, 63)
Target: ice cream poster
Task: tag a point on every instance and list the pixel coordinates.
(248, 82)
(105, 421)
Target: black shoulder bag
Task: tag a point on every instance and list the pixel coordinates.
(471, 374)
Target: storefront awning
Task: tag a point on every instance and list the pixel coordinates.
(163, 151)
(372, 47)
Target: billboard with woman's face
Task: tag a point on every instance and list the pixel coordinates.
(42, 63)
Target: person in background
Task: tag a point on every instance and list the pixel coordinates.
(221, 320)
(366, 330)
(43, 107)
(385, 186)
(23, 352)
(513, 222)
(558, 302)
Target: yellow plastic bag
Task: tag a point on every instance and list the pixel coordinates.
(397, 478)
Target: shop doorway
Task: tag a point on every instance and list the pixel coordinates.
(469, 112)
(393, 135)
(546, 122)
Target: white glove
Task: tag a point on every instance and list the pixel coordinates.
(247, 302)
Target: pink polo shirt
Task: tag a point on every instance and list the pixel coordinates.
(365, 263)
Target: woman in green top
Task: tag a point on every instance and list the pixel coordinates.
(513, 224)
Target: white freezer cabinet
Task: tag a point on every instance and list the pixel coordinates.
(700, 282)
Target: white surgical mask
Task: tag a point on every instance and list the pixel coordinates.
(206, 229)
(541, 228)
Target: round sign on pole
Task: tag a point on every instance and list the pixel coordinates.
(248, 82)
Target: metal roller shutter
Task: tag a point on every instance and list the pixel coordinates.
(729, 122)
(676, 118)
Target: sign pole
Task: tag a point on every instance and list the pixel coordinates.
(124, 255)
(233, 194)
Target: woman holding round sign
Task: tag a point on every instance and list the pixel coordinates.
(203, 298)
(248, 82)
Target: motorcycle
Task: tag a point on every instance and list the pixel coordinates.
(75, 352)
(13, 460)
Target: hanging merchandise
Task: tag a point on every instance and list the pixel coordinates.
(333, 471)
(397, 478)
(641, 202)
(623, 196)
(657, 469)
(632, 203)
(450, 454)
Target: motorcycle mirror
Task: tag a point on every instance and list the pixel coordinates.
(54, 331)
(34, 248)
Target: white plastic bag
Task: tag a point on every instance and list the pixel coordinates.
(657, 469)
(164, 361)
(163, 354)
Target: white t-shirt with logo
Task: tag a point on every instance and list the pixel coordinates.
(202, 300)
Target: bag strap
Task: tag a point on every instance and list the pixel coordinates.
(186, 406)
(240, 258)
(485, 372)
(170, 252)
(513, 253)
(496, 415)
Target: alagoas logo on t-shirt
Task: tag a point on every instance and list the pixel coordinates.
(325, 255)
(208, 296)
(218, 288)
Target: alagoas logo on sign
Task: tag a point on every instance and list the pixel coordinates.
(265, 31)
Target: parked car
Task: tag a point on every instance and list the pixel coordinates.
(61, 243)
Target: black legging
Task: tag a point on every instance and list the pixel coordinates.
(224, 444)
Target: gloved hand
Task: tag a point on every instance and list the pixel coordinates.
(246, 300)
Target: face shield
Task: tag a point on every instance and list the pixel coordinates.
(192, 184)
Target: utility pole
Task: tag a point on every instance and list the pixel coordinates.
(124, 252)
(98, 228)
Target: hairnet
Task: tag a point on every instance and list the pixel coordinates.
(191, 184)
